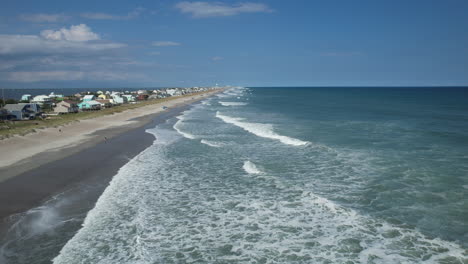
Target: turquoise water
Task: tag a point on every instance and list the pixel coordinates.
(293, 175)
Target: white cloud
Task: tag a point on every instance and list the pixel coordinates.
(105, 16)
(217, 58)
(75, 33)
(70, 54)
(165, 43)
(216, 9)
(38, 18)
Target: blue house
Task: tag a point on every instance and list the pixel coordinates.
(89, 105)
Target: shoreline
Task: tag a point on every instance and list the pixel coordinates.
(33, 150)
(33, 180)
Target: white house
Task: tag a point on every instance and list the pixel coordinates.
(41, 99)
(88, 97)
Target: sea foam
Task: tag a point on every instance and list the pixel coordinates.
(261, 130)
(177, 128)
(160, 207)
(251, 168)
(232, 103)
(211, 143)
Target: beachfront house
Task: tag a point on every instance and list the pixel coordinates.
(118, 99)
(171, 91)
(103, 97)
(42, 100)
(66, 106)
(89, 105)
(130, 97)
(89, 97)
(23, 111)
(52, 95)
(26, 97)
(105, 103)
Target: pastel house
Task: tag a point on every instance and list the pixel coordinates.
(130, 97)
(88, 97)
(42, 100)
(119, 99)
(65, 107)
(89, 105)
(26, 97)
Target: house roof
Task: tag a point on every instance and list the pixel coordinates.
(15, 107)
(88, 97)
(41, 98)
(93, 102)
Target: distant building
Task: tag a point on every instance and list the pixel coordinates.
(105, 103)
(103, 97)
(26, 97)
(66, 106)
(89, 105)
(88, 97)
(52, 95)
(23, 110)
(130, 97)
(119, 99)
(42, 100)
(142, 97)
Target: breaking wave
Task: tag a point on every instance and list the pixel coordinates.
(251, 168)
(232, 103)
(177, 128)
(261, 130)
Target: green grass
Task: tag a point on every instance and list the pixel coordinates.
(11, 128)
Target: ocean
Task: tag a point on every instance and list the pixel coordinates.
(282, 175)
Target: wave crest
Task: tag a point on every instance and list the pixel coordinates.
(232, 103)
(261, 130)
(177, 128)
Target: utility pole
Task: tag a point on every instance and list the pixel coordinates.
(3, 96)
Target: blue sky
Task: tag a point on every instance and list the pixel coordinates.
(250, 43)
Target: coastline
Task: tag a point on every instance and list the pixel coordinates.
(99, 154)
(32, 150)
